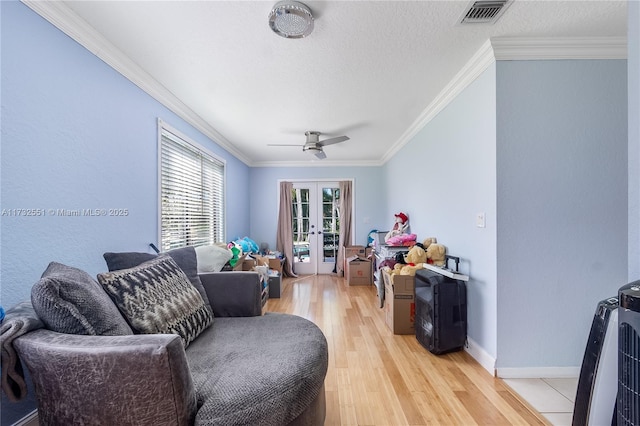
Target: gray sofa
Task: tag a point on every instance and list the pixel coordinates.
(244, 369)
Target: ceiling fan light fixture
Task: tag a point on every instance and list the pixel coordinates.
(315, 152)
(311, 149)
(291, 19)
(314, 145)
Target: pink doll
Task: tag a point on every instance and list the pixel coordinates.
(401, 226)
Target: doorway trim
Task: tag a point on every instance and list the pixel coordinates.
(320, 181)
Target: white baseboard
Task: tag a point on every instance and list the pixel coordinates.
(488, 362)
(30, 419)
(538, 372)
(483, 357)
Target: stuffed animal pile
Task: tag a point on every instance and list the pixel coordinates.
(428, 252)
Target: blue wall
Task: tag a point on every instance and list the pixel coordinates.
(78, 135)
(540, 147)
(369, 192)
(562, 204)
(442, 178)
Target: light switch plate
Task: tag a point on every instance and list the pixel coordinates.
(480, 220)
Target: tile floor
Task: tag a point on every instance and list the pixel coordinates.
(553, 398)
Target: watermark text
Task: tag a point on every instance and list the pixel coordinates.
(58, 212)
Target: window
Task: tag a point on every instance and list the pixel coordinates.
(191, 192)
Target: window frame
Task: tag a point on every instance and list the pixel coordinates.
(162, 128)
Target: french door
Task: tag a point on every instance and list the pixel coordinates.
(316, 226)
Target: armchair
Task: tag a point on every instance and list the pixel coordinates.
(246, 368)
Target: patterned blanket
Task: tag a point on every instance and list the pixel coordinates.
(19, 320)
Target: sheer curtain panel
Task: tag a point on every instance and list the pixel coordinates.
(284, 239)
(346, 213)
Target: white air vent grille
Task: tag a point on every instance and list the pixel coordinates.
(484, 11)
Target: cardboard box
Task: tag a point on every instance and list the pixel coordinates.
(403, 284)
(248, 264)
(276, 264)
(402, 315)
(237, 267)
(252, 260)
(358, 271)
(350, 251)
(400, 303)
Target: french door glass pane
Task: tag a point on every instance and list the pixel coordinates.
(300, 218)
(330, 223)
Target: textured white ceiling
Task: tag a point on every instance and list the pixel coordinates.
(368, 70)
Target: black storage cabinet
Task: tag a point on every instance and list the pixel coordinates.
(441, 312)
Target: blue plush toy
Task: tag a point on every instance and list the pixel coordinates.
(371, 237)
(248, 245)
(1, 313)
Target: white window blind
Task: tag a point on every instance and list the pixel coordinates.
(191, 194)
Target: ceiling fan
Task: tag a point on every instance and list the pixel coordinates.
(314, 145)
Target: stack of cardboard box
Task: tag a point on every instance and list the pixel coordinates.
(399, 303)
(350, 251)
(357, 267)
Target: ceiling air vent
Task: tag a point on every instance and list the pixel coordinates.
(484, 11)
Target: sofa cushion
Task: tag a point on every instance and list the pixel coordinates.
(68, 300)
(185, 257)
(211, 258)
(157, 297)
(263, 370)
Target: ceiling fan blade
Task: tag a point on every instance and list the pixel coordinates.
(283, 144)
(321, 155)
(333, 140)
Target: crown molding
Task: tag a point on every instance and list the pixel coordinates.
(69, 23)
(319, 163)
(495, 49)
(507, 49)
(478, 63)
(523, 49)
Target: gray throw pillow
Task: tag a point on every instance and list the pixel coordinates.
(68, 300)
(185, 257)
(157, 297)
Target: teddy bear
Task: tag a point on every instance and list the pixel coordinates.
(428, 241)
(410, 269)
(436, 254)
(416, 255)
(396, 268)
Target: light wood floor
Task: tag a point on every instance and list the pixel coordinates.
(378, 378)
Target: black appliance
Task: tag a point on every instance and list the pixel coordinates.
(441, 312)
(595, 402)
(628, 402)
